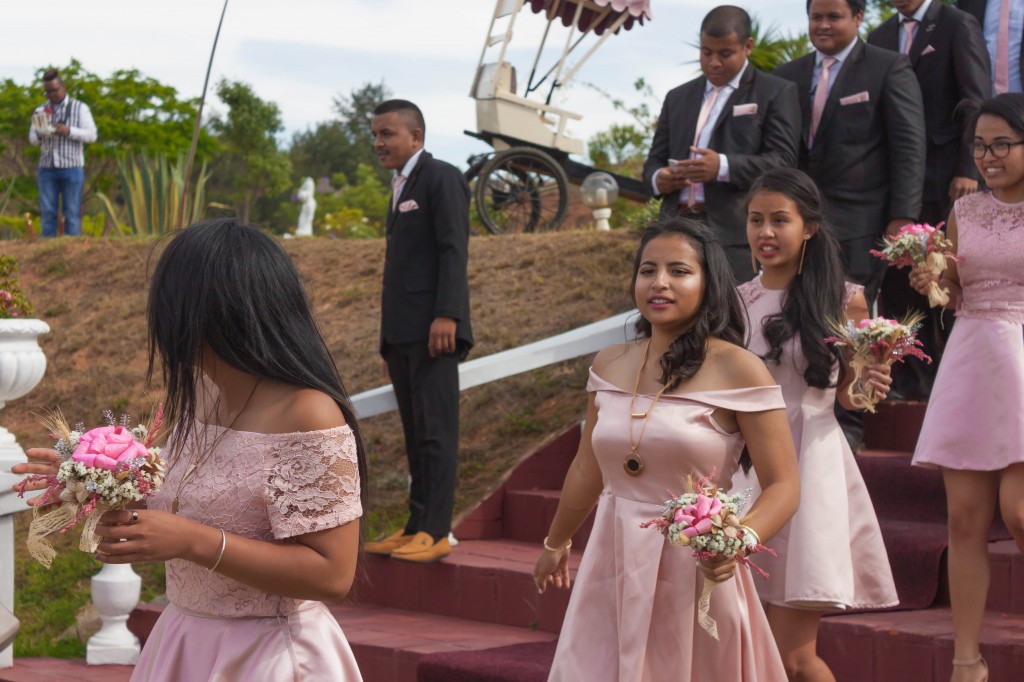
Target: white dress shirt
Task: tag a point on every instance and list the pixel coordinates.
(918, 16)
(833, 73)
(991, 30)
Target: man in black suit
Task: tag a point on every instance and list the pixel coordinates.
(1002, 23)
(947, 52)
(719, 132)
(863, 137)
(425, 328)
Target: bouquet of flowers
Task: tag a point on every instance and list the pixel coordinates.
(921, 245)
(873, 342)
(707, 520)
(106, 468)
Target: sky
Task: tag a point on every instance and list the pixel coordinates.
(302, 54)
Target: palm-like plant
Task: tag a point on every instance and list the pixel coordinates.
(771, 49)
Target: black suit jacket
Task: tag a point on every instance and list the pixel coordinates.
(950, 60)
(426, 258)
(868, 156)
(977, 8)
(753, 143)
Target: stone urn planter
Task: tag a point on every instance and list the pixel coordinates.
(22, 365)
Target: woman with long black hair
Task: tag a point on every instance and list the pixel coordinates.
(259, 516)
(830, 555)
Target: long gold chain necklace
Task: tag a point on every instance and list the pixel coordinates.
(201, 454)
(634, 463)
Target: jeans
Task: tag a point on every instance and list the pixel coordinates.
(66, 183)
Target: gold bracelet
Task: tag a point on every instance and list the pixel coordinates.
(554, 549)
(751, 531)
(223, 546)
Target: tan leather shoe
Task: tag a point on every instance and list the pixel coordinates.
(389, 544)
(422, 549)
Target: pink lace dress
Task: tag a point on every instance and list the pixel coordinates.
(975, 417)
(632, 616)
(830, 555)
(269, 487)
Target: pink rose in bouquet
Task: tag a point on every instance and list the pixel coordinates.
(105, 447)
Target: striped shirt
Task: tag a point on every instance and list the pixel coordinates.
(61, 151)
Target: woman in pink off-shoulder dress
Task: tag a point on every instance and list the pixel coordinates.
(831, 555)
(682, 400)
(259, 516)
(974, 426)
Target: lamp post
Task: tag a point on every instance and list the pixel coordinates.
(599, 191)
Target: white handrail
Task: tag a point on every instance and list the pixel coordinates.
(572, 344)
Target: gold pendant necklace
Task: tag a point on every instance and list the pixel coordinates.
(202, 454)
(634, 463)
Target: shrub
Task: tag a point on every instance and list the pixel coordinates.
(12, 301)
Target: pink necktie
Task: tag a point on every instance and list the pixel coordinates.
(396, 189)
(702, 121)
(1002, 71)
(820, 97)
(909, 25)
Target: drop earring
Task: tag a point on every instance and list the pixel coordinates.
(803, 252)
(753, 263)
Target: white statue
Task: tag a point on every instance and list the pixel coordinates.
(307, 195)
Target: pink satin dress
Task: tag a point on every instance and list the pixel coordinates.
(632, 616)
(268, 487)
(975, 418)
(831, 555)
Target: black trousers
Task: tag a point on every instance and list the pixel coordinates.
(427, 390)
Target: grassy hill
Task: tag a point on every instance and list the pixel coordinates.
(523, 288)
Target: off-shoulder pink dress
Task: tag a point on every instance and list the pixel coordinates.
(632, 616)
(975, 417)
(269, 487)
(831, 555)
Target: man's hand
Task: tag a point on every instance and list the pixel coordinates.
(442, 336)
(895, 224)
(703, 169)
(62, 130)
(670, 179)
(961, 187)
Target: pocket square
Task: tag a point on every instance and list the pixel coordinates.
(407, 206)
(745, 109)
(854, 99)
(927, 50)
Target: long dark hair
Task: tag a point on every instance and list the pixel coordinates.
(720, 314)
(815, 296)
(233, 289)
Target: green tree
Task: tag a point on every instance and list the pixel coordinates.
(251, 165)
(355, 113)
(133, 114)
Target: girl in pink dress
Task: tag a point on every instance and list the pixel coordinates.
(681, 400)
(974, 427)
(258, 519)
(830, 555)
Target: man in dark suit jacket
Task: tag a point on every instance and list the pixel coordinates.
(988, 13)
(947, 52)
(863, 137)
(751, 124)
(425, 327)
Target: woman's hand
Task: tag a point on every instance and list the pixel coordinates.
(921, 278)
(718, 570)
(878, 377)
(42, 462)
(552, 568)
(132, 536)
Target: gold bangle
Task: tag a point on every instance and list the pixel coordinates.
(555, 549)
(751, 531)
(223, 546)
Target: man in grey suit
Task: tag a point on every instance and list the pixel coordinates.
(717, 133)
(947, 52)
(1002, 22)
(863, 138)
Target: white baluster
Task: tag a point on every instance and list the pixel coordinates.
(115, 592)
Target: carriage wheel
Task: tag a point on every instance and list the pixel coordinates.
(522, 190)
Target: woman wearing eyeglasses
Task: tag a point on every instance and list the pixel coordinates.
(974, 428)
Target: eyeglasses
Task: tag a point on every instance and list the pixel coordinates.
(1000, 150)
